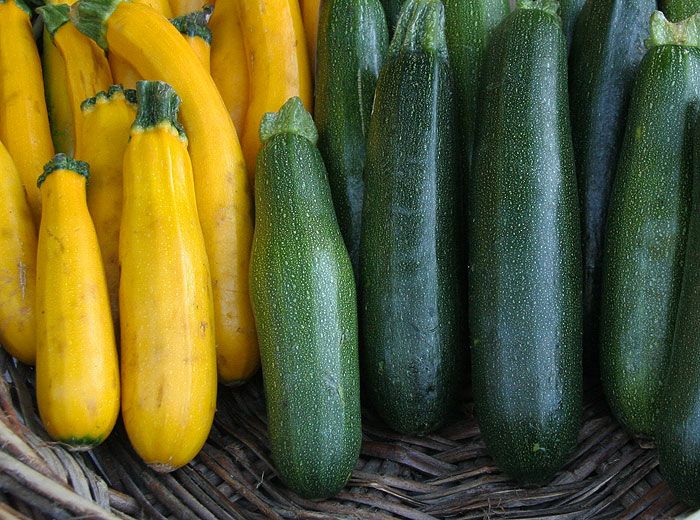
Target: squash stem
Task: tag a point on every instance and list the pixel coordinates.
(421, 27)
(552, 7)
(90, 18)
(114, 92)
(62, 161)
(292, 118)
(195, 24)
(158, 105)
(55, 16)
(665, 32)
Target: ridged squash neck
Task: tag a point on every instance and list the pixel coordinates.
(421, 27)
(158, 106)
(90, 17)
(664, 32)
(114, 92)
(21, 4)
(62, 161)
(551, 7)
(55, 16)
(292, 118)
(195, 24)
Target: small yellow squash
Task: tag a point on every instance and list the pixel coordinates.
(194, 27)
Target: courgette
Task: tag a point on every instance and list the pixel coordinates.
(353, 41)
(303, 296)
(647, 220)
(525, 251)
(392, 9)
(607, 48)
(679, 425)
(569, 11)
(413, 355)
(677, 10)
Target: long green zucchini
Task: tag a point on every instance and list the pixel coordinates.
(677, 10)
(648, 215)
(352, 42)
(392, 9)
(469, 25)
(303, 297)
(525, 251)
(412, 350)
(569, 11)
(607, 48)
(679, 421)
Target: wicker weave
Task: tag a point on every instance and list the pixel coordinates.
(446, 475)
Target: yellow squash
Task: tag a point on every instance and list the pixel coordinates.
(77, 371)
(158, 51)
(194, 27)
(24, 122)
(168, 353)
(309, 13)
(229, 62)
(278, 64)
(182, 7)
(106, 121)
(86, 66)
(17, 265)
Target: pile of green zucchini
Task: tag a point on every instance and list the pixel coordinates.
(510, 190)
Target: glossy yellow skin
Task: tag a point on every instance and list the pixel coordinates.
(87, 69)
(158, 51)
(183, 7)
(278, 64)
(17, 265)
(202, 49)
(168, 353)
(24, 122)
(77, 370)
(107, 125)
(309, 13)
(229, 62)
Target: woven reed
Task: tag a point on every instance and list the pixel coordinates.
(445, 475)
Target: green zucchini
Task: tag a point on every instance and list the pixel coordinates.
(392, 9)
(412, 350)
(677, 10)
(352, 42)
(525, 251)
(647, 220)
(303, 297)
(569, 11)
(607, 48)
(678, 430)
(469, 24)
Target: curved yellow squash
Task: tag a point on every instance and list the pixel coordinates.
(309, 13)
(158, 51)
(24, 122)
(17, 265)
(182, 7)
(106, 121)
(195, 29)
(77, 372)
(167, 338)
(278, 64)
(229, 62)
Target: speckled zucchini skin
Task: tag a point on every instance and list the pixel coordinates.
(412, 357)
(679, 425)
(677, 10)
(607, 48)
(353, 40)
(645, 243)
(525, 253)
(569, 11)
(303, 297)
(392, 8)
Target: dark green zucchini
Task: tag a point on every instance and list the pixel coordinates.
(392, 8)
(646, 228)
(303, 297)
(607, 48)
(469, 24)
(679, 420)
(569, 11)
(412, 356)
(677, 10)
(525, 251)
(352, 42)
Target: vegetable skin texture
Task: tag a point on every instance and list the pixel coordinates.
(182, 7)
(224, 201)
(278, 64)
(352, 44)
(569, 12)
(18, 243)
(392, 9)
(168, 353)
(525, 287)
(607, 49)
(646, 227)
(413, 355)
(310, 13)
(303, 294)
(678, 10)
(24, 121)
(77, 370)
(107, 120)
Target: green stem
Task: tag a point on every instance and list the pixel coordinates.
(664, 32)
(55, 16)
(114, 92)
(552, 7)
(292, 118)
(421, 26)
(90, 17)
(158, 104)
(21, 4)
(63, 162)
(195, 24)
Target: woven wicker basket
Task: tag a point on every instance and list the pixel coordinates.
(445, 475)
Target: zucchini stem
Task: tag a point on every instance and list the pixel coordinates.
(90, 18)
(55, 16)
(421, 26)
(62, 161)
(114, 92)
(195, 24)
(664, 32)
(292, 118)
(158, 104)
(552, 7)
